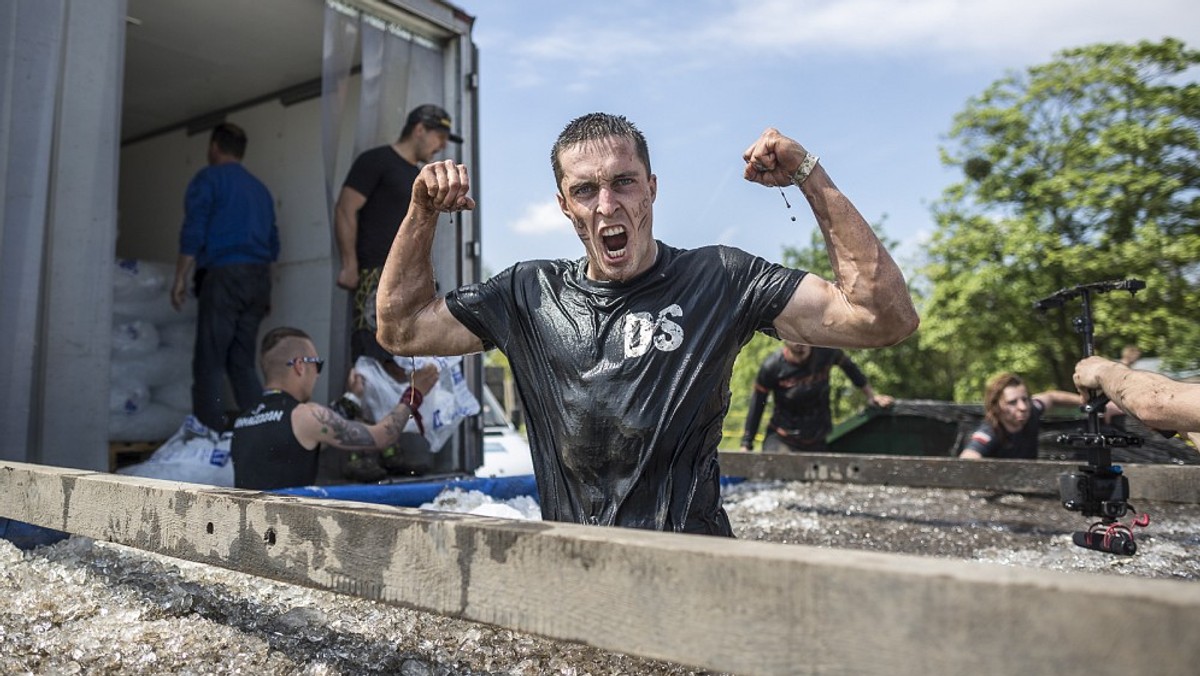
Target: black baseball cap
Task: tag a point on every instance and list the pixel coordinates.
(434, 117)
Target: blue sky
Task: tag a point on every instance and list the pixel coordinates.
(869, 85)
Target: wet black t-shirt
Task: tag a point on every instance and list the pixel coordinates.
(386, 180)
(625, 385)
(801, 393)
(266, 453)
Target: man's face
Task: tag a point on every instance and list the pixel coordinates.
(796, 353)
(608, 196)
(1014, 407)
(430, 142)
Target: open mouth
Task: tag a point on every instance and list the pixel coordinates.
(614, 239)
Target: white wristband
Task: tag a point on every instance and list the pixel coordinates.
(806, 166)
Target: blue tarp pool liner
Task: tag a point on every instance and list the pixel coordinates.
(415, 494)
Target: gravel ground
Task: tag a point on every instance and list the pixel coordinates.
(96, 608)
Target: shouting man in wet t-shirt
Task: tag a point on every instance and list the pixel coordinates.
(623, 358)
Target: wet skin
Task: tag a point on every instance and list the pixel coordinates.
(1014, 407)
(609, 197)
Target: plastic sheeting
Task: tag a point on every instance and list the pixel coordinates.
(418, 493)
(397, 67)
(400, 71)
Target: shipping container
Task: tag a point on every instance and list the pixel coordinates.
(106, 116)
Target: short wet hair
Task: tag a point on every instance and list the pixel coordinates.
(593, 127)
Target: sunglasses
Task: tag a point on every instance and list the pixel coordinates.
(309, 360)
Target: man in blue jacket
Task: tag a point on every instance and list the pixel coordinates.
(229, 239)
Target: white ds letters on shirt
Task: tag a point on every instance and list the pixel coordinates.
(642, 330)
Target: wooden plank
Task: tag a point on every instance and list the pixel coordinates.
(715, 603)
(1168, 483)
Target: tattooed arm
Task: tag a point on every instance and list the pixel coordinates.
(315, 424)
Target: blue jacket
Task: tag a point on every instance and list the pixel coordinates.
(229, 218)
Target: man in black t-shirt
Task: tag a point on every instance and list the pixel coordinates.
(623, 358)
(797, 376)
(373, 202)
(275, 442)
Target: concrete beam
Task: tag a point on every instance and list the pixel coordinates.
(715, 603)
(1167, 483)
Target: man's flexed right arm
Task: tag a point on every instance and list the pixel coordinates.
(412, 319)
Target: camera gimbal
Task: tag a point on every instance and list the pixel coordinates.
(1099, 488)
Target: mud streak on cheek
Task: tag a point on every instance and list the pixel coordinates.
(641, 219)
(581, 229)
(642, 216)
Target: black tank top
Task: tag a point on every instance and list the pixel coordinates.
(266, 454)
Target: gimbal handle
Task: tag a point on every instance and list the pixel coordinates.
(1100, 444)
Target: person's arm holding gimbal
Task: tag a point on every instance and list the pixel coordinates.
(1156, 400)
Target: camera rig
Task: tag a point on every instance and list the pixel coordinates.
(1099, 488)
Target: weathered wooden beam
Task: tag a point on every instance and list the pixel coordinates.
(716, 603)
(1168, 483)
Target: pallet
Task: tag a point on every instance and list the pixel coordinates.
(126, 453)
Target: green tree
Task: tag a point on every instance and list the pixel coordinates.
(1080, 170)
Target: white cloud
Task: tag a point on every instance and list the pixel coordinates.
(1033, 28)
(582, 43)
(590, 50)
(540, 219)
(694, 33)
